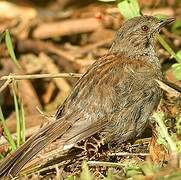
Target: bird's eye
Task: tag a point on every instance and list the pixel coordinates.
(144, 28)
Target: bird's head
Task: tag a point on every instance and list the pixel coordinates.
(137, 35)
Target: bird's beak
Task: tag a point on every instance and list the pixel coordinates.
(165, 22)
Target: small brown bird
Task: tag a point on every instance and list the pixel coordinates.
(114, 98)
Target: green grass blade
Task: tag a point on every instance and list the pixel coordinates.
(10, 48)
(22, 117)
(7, 134)
(18, 123)
(168, 48)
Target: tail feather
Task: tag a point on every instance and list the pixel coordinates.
(15, 162)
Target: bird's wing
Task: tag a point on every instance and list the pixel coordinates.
(115, 88)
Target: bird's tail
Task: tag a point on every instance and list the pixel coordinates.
(13, 164)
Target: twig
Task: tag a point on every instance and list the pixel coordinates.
(11, 77)
(128, 154)
(8, 81)
(39, 76)
(66, 27)
(173, 92)
(37, 46)
(106, 164)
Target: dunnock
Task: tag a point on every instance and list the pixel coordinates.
(114, 98)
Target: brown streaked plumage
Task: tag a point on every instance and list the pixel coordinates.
(115, 97)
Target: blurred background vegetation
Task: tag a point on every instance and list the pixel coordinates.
(49, 38)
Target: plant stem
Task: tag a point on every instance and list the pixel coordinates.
(168, 48)
(159, 117)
